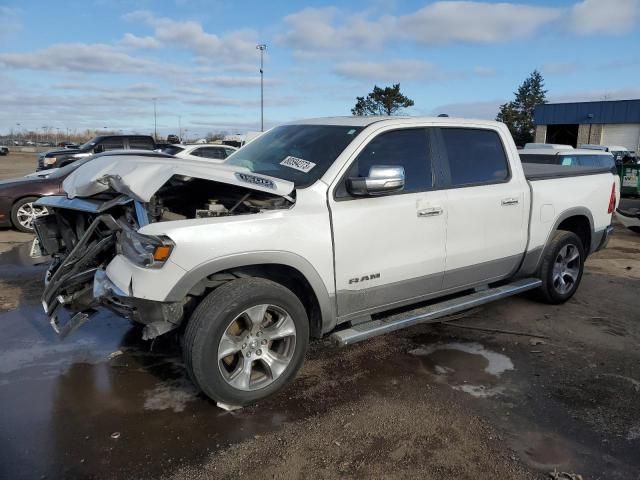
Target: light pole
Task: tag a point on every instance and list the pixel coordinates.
(180, 127)
(262, 47)
(155, 121)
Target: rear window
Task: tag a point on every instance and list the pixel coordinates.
(141, 143)
(545, 159)
(172, 149)
(474, 156)
(112, 143)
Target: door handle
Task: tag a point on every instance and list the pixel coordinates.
(430, 212)
(510, 201)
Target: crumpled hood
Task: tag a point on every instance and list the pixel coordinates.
(141, 177)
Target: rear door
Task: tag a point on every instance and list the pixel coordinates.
(487, 219)
(389, 249)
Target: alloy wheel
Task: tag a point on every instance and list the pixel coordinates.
(566, 268)
(257, 347)
(28, 212)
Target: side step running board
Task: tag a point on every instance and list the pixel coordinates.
(432, 313)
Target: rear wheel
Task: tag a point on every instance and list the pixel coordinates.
(246, 340)
(562, 267)
(24, 212)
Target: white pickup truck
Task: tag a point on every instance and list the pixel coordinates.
(353, 226)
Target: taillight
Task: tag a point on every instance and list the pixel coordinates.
(612, 199)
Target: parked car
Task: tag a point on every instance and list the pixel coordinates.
(71, 145)
(4, 150)
(195, 151)
(549, 146)
(574, 157)
(17, 195)
(618, 151)
(579, 157)
(99, 144)
(172, 139)
(317, 223)
(630, 218)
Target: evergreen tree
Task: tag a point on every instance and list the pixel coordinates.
(382, 101)
(517, 115)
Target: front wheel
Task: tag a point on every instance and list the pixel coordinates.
(246, 340)
(562, 267)
(24, 212)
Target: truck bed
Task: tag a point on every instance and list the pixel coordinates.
(542, 171)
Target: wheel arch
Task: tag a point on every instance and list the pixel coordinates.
(572, 219)
(286, 268)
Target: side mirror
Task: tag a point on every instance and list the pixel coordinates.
(381, 180)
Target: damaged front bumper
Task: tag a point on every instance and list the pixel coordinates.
(78, 284)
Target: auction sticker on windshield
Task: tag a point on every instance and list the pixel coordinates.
(298, 164)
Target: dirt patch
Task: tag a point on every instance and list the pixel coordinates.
(405, 434)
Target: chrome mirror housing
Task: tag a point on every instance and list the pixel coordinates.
(380, 181)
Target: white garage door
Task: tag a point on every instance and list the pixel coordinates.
(627, 135)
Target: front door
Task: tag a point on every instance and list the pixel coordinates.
(391, 248)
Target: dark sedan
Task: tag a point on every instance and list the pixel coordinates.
(18, 194)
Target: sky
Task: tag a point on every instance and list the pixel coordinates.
(95, 64)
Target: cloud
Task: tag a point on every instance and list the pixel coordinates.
(80, 57)
(474, 22)
(439, 23)
(489, 109)
(9, 21)
(131, 40)
(313, 28)
(139, 88)
(392, 71)
(482, 109)
(559, 68)
(614, 17)
(623, 93)
(233, 82)
(190, 35)
(484, 71)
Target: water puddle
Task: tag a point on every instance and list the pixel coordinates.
(468, 367)
(17, 262)
(544, 451)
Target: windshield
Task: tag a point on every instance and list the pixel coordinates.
(90, 144)
(297, 153)
(172, 149)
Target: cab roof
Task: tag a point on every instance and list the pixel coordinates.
(575, 151)
(365, 121)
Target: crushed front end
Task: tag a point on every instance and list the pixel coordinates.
(94, 243)
(82, 236)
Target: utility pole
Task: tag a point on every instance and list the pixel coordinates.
(180, 127)
(262, 47)
(155, 121)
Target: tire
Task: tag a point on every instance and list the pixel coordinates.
(635, 229)
(223, 313)
(561, 280)
(23, 213)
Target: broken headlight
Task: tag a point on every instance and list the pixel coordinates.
(144, 250)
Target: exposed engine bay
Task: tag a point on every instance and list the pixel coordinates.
(82, 235)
